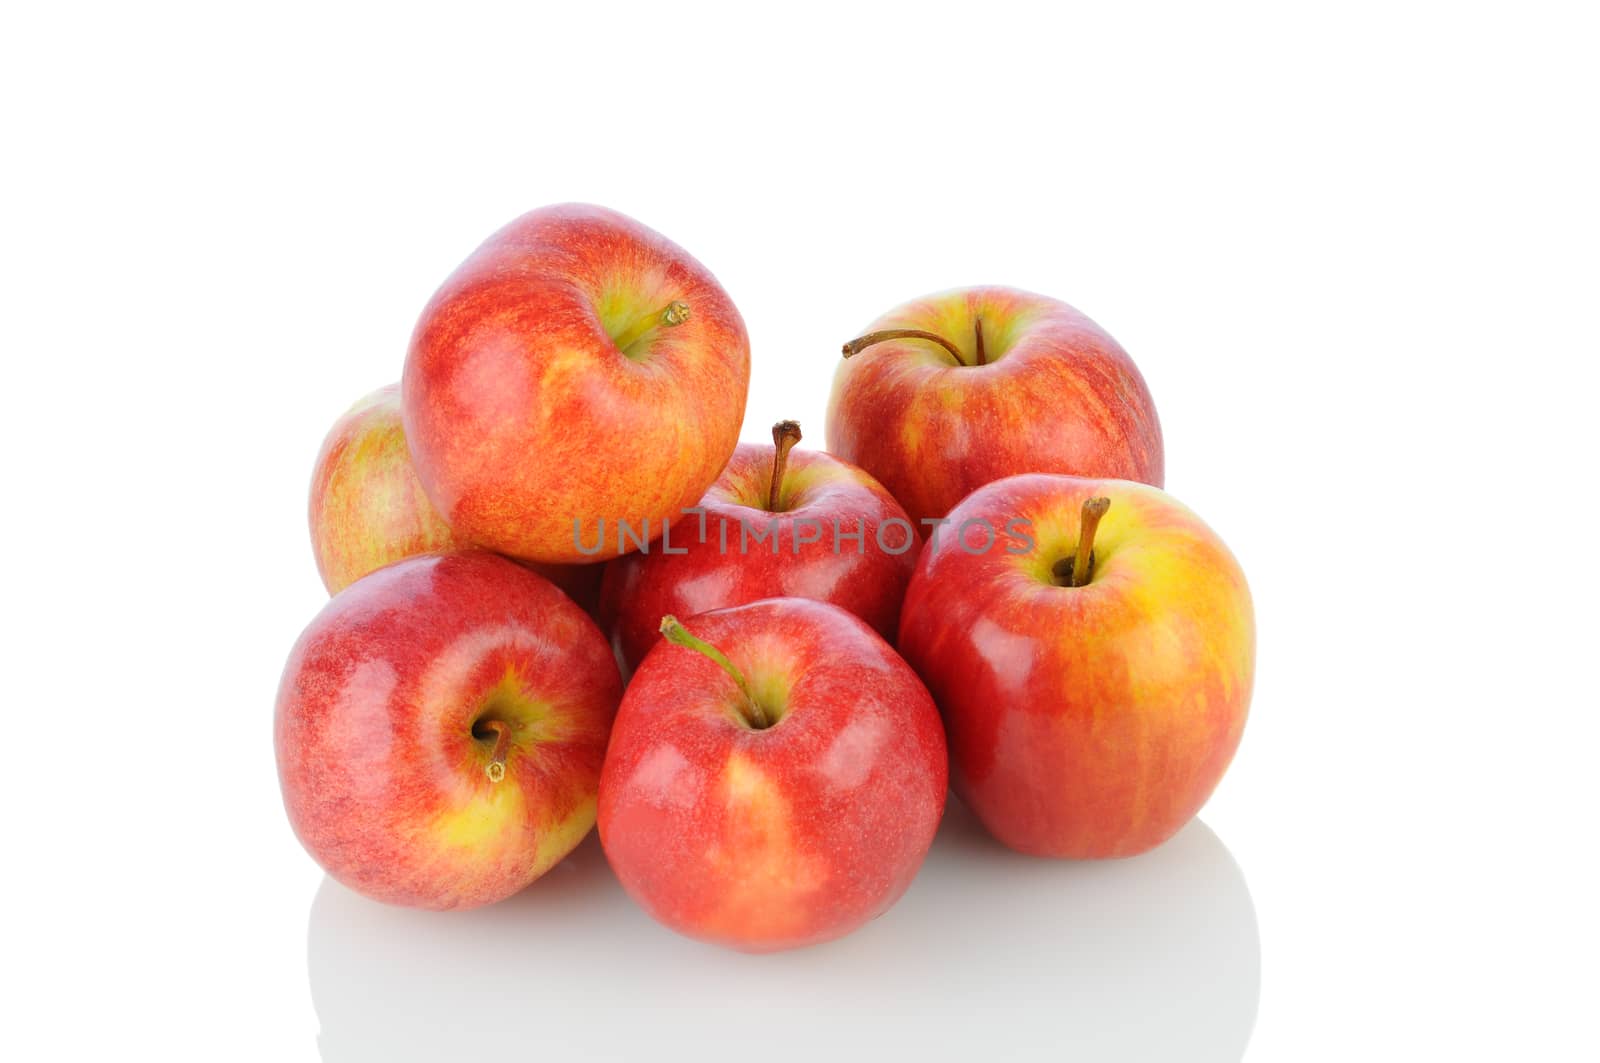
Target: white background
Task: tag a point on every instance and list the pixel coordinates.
(1353, 250)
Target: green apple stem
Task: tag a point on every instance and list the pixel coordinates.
(977, 329)
(496, 768)
(785, 434)
(679, 635)
(1093, 510)
(861, 343)
(673, 314)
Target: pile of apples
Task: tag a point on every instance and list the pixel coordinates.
(980, 585)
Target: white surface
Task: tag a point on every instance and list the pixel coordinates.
(1151, 959)
(1352, 250)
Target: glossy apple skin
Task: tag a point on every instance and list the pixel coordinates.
(1091, 721)
(1057, 394)
(777, 838)
(639, 588)
(383, 779)
(368, 508)
(522, 413)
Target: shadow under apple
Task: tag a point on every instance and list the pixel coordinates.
(989, 954)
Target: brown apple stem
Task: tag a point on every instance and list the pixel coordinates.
(496, 768)
(785, 434)
(679, 635)
(1093, 510)
(861, 343)
(977, 330)
(673, 314)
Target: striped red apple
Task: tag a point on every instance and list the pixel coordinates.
(949, 392)
(578, 368)
(779, 522)
(440, 730)
(367, 506)
(775, 776)
(1094, 675)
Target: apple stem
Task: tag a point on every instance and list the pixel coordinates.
(861, 343)
(785, 434)
(977, 329)
(496, 768)
(673, 314)
(1088, 521)
(679, 635)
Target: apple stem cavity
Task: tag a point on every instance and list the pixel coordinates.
(678, 635)
(785, 434)
(861, 343)
(673, 314)
(496, 768)
(1088, 522)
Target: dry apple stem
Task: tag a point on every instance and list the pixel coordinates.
(1093, 510)
(861, 343)
(981, 357)
(674, 313)
(496, 768)
(785, 434)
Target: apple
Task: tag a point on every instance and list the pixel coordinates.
(580, 582)
(774, 777)
(368, 508)
(1091, 646)
(949, 392)
(440, 730)
(577, 371)
(826, 530)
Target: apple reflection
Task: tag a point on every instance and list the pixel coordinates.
(990, 954)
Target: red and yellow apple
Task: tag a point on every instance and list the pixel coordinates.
(368, 508)
(777, 523)
(1093, 686)
(952, 391)
(440, 730)
(576, 371)
(775, 776)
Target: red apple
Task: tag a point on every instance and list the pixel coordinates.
(440, 730)
(949, 392)
(578, 370)
(1094, 683)
(774, 779)
(828, 531)
(368, 508)
(580, 582)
